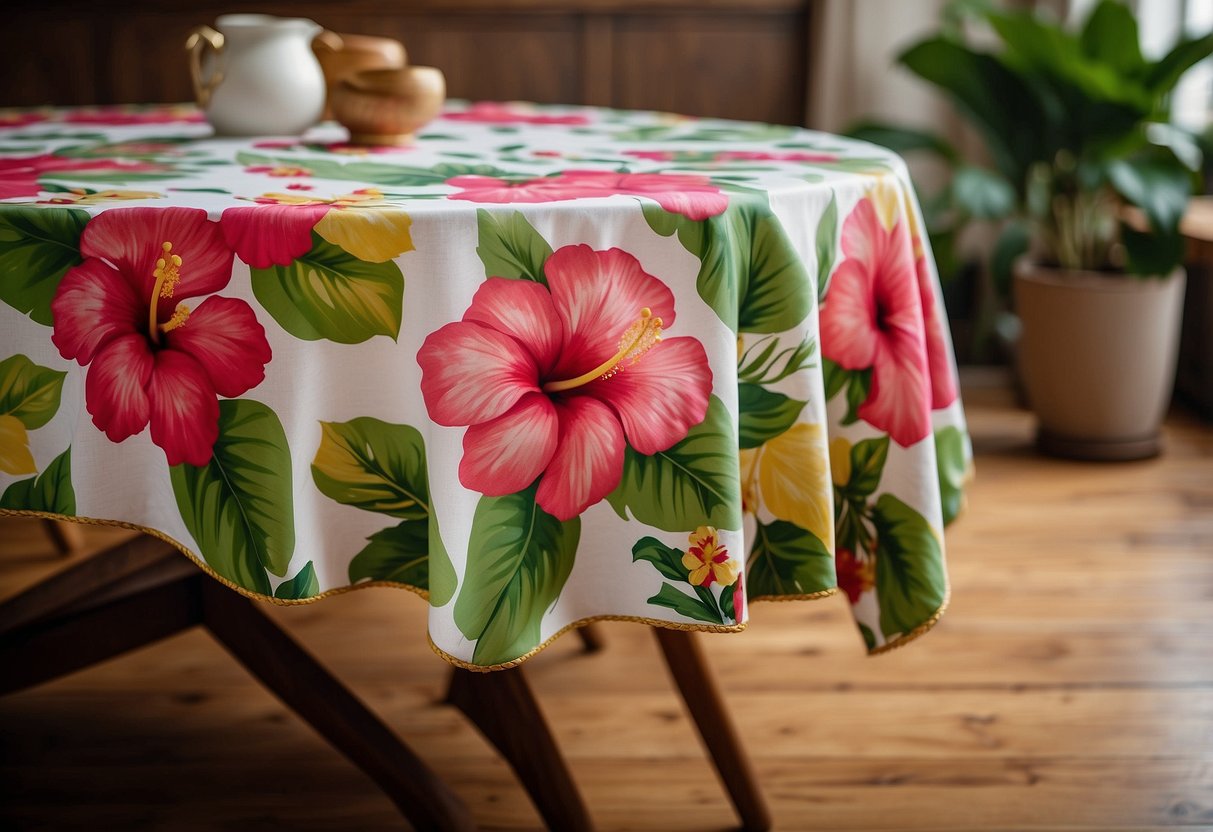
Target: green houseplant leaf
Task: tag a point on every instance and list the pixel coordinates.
(239, 507)
(519, 558)
(1110, 36)
(329, 293)
(998, 101)
(37, 247)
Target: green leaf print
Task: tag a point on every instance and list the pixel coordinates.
(239, 507)
(519, 558)
(375, 466)
(763, 414)
(686, 605)
(910, 580)
(667, 559)
(859, 383)
(761, 364)
(952, 465)
(329, 293)
(827, 246)
(29, 392)
(868, 457)
(509, 246)
(303, 585)
(749, 273)
(399, 553)
(374, 173)
(694, 483)
(381, 467)
(788, 560)
(50, 491)
(37, 246)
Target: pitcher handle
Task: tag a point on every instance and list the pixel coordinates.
(196, 44)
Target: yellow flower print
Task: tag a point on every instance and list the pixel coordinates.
(892, 203)
(15, 457)
(362, 223)
(840, 461)
(79, 196)
(788, 475)
(707, 560)
(886, 199)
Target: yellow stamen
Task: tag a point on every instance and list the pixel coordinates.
(167, 274)
(180, 315)
(637, 339)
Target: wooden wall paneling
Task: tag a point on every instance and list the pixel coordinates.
(144, 57)
(35, 71)
(598, 60)
(500, 57)
(727, 65)
(730, 58)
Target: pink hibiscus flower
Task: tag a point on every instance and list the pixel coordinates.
(939, 357)
(739, 598)
(19, 175)
(872, 317)
(652, 155)
(693, 196)
(492, 112)
(123, 115)
(552, 382)
(152, 359)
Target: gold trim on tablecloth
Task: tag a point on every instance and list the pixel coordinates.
(917, 632)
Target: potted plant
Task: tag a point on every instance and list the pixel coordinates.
(1075, 125)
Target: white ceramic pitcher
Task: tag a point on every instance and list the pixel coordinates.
(257, 74)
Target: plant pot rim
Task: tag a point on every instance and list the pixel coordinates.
(1029, 270)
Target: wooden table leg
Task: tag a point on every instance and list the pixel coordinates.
(329, 707)
(45, 650)
(591, 638)
(502, 706)
(66, 535)
(702, 697)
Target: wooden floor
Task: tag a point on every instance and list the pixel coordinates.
(1070, 686)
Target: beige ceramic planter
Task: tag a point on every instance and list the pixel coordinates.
(1097, 358)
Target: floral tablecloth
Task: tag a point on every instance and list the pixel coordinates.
(543, 366)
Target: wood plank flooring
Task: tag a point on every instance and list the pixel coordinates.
(1070, 686)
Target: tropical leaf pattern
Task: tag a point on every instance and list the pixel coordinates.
(484, 366)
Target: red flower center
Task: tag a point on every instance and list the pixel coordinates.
(643, 334)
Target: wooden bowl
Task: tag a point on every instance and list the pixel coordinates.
(341, 56)
(387, 106)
